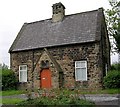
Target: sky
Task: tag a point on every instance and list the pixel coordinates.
(14, 13)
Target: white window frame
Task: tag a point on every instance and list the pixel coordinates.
(83, 79)
(24, 70)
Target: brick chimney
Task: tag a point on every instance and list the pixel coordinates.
(58, 12)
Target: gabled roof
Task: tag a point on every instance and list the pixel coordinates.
(76, 28)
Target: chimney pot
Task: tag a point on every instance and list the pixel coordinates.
(58, 12)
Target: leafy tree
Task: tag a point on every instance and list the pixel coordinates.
(7, 78)
(4, 66)
(115, 67)
(0, 66)
(113, 24)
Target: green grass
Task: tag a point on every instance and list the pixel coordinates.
(0, 93)
(110, 91)
(104, 91)
(0, 100)
(10, 101)
(12, 92)
(86, 91)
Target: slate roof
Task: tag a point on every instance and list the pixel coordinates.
(75, 28)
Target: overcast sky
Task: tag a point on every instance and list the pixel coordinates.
(14, 13)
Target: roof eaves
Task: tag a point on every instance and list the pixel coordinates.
(53, 46)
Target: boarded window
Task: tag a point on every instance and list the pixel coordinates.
(81, 70)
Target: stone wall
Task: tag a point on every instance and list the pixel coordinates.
(24, 58)
(65, 56)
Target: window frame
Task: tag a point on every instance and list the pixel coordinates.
(25, 70)
(78, 79)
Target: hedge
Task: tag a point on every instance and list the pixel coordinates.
(9, 80)
(112, 80)
(115, 66)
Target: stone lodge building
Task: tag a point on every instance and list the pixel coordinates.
(69, 51)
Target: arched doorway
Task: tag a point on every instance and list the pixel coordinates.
(46, 78)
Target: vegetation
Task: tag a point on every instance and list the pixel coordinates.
(103, 91)
(12, 92)
(56, 102)
(3, 66)
(56, 98)
(112, 80)
(113, 24)
(11, 101)
(109, 91)
(116, 67)
(9, 80)
(68, 94)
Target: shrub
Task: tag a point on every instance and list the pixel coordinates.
(60, 98)
(59, 101)
(9, 80)
(112, 80)
(115, 66)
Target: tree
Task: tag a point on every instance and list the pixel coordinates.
(4, 66)
(113, 24)
(8, 79)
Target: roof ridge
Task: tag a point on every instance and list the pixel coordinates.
(65, 16)
(83, 12)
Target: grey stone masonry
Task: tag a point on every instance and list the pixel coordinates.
(57, 43)
(58, 12)
(65, 57)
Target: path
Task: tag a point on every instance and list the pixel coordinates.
(103, 100)
(21, 96)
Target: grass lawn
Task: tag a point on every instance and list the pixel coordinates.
(11, 101)
(12, 92)
(0, 93)
(104, 91)
(110, 91)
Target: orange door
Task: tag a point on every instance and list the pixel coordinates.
(46, 78)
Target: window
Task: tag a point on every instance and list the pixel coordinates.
(23, 73)
(81, 70)
(45, 64)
